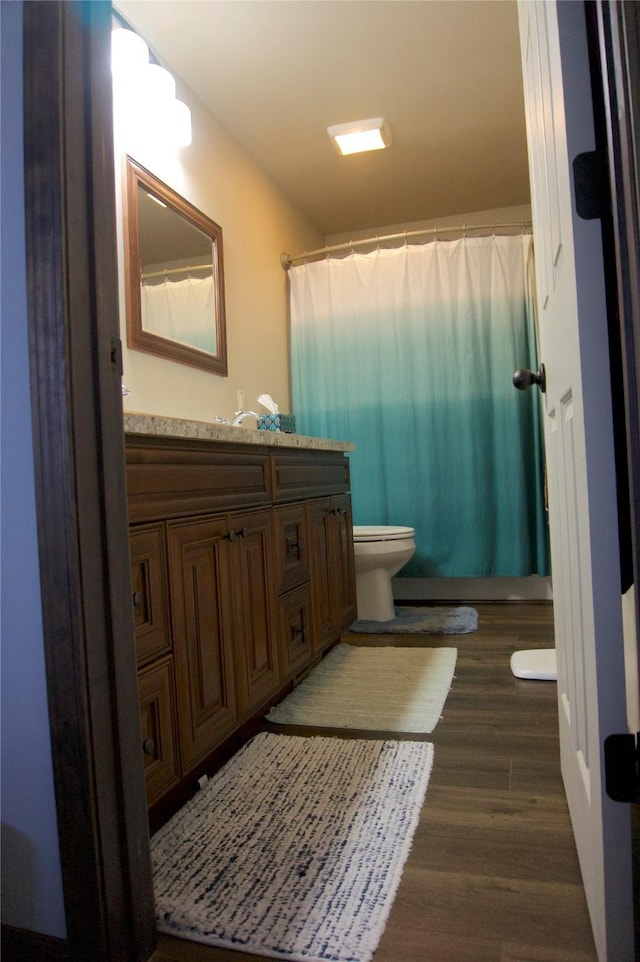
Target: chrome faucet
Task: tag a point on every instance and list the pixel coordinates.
(241, 415)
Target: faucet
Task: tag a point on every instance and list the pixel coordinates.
(241, 415)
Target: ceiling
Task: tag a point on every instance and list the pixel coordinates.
(445, 74)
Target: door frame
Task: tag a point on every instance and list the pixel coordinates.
(72, 305)
(81, 492)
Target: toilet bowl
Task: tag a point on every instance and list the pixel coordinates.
(380, 552)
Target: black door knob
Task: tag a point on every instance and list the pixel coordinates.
(524, 379)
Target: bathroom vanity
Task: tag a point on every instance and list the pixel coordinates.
(242, 577)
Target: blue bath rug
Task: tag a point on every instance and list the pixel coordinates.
(425, 620)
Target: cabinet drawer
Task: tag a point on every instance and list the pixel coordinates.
(171, 478)
(158, 728)
(296, 632)
(148, 592)
(292, 546)
(308, 474)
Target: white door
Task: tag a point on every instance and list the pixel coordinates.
(580, 460)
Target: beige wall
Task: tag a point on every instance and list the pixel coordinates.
(217, 176)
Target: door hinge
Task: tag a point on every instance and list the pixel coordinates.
(622, 767)
(591, 185)
(116, 356)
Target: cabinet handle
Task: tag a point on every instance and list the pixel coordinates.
(137, 599)
(148, 746)
(292, 544)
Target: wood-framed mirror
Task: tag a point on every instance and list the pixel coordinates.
(173, 275)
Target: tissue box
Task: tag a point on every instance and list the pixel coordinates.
(277, 422)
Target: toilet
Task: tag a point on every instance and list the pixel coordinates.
(380, 552)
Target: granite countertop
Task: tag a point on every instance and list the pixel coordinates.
(153, 424)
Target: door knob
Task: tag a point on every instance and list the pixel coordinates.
(524, 379)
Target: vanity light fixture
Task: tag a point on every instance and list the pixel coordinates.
(360, 135)
(144, 93)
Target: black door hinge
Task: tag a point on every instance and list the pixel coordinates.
(116, 356)
(622, 767)
(591, 185)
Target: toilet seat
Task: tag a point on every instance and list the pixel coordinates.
(381, 532)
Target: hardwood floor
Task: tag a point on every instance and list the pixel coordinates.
(493, 874)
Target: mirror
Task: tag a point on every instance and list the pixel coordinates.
(173, 275)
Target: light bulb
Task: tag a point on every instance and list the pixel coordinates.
(129, 53)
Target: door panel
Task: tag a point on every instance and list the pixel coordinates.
(580, 459)
(199, 571)
(255, 648)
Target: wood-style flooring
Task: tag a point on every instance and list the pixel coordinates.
(493, 874)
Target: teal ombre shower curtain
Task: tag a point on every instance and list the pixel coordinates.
(409, 353)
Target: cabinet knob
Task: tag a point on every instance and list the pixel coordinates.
(137, 599)
(148, 746)
(244, 533)
(231, 536)
(338, 510)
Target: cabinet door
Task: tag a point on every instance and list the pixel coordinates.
(342, 562)
(255, 650)
(320, 520)
(199, 567)
(332, 568)
(149, 591)
(158, 728)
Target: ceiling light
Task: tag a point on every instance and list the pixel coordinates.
(360, 135)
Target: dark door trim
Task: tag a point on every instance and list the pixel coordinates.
(80, 486)
(617, 33)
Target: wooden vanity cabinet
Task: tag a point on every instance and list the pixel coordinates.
(242, 575)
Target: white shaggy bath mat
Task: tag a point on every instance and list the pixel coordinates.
(372, 689)
(295, 849)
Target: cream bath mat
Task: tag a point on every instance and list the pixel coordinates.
(372, 689)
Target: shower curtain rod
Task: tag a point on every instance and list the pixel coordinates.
(288, 261)
(175, 270)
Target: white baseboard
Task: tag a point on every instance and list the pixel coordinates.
(532, 588)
